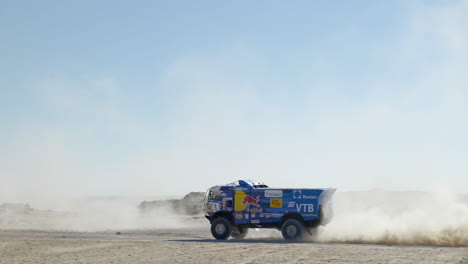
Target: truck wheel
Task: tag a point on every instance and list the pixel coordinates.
(239, 232)
(292, 229)
(221, 228)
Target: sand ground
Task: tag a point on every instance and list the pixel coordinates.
(195, 245)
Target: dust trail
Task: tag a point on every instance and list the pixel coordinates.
(401, 218)
(90, 214)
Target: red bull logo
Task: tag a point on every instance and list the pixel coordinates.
(242, 200)
(250, 200)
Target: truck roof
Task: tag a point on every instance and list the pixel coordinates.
(257, 185)
(250, 183)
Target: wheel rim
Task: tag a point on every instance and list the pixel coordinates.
(291, 230)
(219, 228)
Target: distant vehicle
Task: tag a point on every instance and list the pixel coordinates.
(234, 208)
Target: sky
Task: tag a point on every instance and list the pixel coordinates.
(167, 97)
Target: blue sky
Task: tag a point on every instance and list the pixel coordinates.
(120, 98)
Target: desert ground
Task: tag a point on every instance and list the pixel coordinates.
(195, 245)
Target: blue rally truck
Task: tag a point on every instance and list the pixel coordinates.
(233, 208)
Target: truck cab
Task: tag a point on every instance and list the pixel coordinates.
(234, 208)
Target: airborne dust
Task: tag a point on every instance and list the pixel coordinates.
(377, 217)
(402, 218)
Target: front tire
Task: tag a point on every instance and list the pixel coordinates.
(221, 228)
(292, 230)
(239, 232)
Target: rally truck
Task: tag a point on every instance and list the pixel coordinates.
(234, 208)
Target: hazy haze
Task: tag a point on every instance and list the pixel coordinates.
(97, 102)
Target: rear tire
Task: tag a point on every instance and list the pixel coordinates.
(292, 230)
(239, 232)
(221, 228)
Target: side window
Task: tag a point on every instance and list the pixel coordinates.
(214, 195)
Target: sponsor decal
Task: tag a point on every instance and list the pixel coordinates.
(250, 200)
(227, 204)
(309, 197)
(268, 215)
(242, 200)
(307, 208)
(265, 215)
(239, 215)
(256, 210)
(274, 193)
(291, 204)
(276, 203)
(297, 194)
(255, 221)
(246, 216)
(213, 207)
(309, 215)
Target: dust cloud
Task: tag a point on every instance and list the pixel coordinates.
(376, 217)
(400, 218)
(90, 214)
(391, 218)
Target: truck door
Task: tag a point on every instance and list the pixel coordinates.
(226, 201)
(243, 204)
(257, 205)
